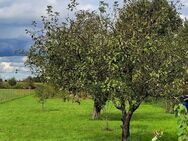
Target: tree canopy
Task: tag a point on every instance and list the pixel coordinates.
(138, 52)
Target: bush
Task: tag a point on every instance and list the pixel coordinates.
(182, 115)
(12, 82)
(30, 83)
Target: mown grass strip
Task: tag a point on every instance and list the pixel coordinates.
(7, 95)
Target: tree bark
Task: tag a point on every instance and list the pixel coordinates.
(99, 102)
(96, 111)
(126, 118)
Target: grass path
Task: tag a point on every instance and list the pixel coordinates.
(23, 120)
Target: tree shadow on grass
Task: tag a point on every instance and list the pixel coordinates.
(111, 116)
(103, 137)
(139, 131)
(138, 135)
(137, 116)
(151, 116)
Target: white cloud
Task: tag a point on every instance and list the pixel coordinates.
(6, 67)
(87, 7)
(33, 9)
(14, 13)
(184, 2)
(24, 58)
(13, 67)
(12, 10)
(184, 16)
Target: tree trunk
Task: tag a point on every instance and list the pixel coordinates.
(126, 118)
(99, 102)
(169, 106)
(96, 111)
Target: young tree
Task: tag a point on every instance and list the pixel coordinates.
(44, 92)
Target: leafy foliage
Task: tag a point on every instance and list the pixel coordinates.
(138, 52)
(71, 55)
(182, 115)
(44, 92)
(12, 82)
(148, 58)
(30, 83)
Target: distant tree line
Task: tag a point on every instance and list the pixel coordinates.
(27, 83)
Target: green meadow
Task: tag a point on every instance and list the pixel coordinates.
(12, 94)
(22, 119)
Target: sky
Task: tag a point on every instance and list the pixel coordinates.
(17, 15)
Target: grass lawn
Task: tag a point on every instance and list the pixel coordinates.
(23, 120)
(11, 94)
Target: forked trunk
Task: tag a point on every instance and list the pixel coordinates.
(126, 118)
